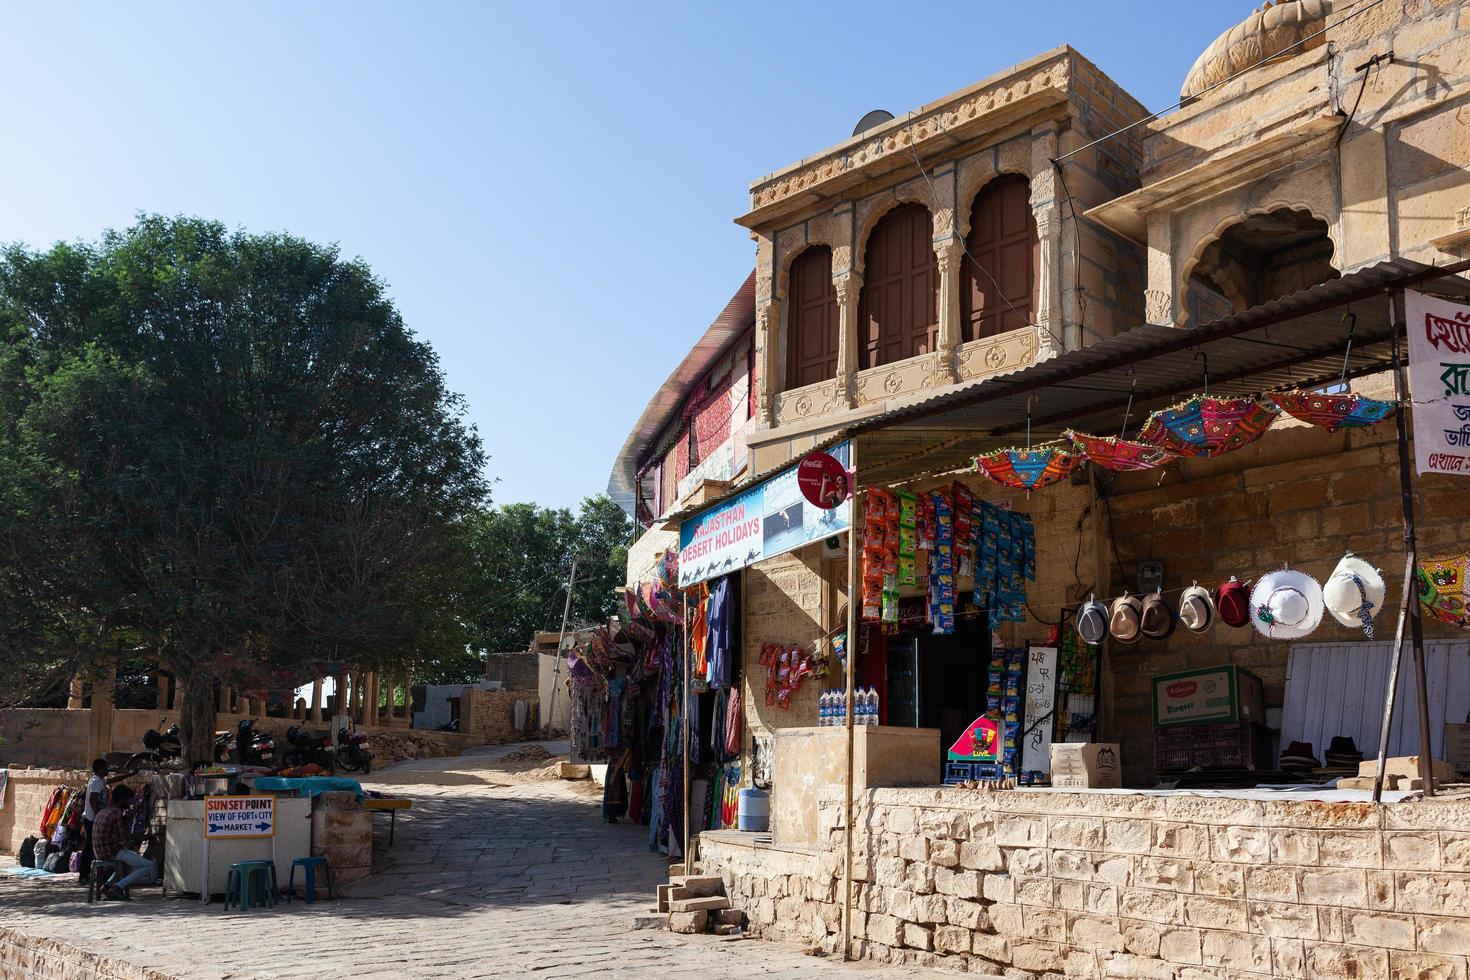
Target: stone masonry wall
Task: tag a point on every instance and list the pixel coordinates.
(493, 713)
(1028, 884)
(25, 798)
(25, 957)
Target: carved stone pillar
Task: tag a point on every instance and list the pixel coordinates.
(767, 329)
(848, 288)
(224, 705)
(76, 694)
(949, 255)
(1049, 287)
(1158, 299)
(99, 721)
(160, 691)
(316, 701)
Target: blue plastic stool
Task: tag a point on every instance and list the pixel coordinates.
(309, 866)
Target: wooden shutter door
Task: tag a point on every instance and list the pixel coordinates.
(1003, 240)
(898, 312)
(811, 350)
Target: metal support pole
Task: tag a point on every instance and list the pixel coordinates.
(854, 600)
(1411, 547)
(566, 612)
(1393, 679)
(684, 738)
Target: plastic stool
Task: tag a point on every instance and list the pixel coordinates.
(251, 884)
(96, 881)
(309, 866)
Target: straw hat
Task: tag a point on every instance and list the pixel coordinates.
(1125, 621)
(1157, 619)
(1354, 593)
(1286, 605)
(1196, 609)
(1092, 621)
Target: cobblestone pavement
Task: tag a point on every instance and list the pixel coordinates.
(489, 877)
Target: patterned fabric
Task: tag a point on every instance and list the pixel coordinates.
(1027, 469)
(1333, 412)
(107, 833)
(1443, 589)
(1207, 426)
(1112, 453)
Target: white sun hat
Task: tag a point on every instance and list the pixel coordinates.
(1354, 593)
(1286, 605)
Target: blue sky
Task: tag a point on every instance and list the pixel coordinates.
(547, 189)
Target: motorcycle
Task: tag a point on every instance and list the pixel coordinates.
(162, 750)
(352, 752)
(253, 747)
(223, 742)
(306, 747)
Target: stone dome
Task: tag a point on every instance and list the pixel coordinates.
(1267, 32)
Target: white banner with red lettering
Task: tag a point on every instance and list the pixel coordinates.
(1439, 382)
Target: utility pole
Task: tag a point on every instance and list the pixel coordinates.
(566, 613)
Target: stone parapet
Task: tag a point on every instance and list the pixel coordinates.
(1038, 883)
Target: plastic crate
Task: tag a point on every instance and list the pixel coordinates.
(1226, 745)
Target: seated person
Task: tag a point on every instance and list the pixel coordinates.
(109, 843)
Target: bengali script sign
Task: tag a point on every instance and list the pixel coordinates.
(1439, 383)
(769, 519)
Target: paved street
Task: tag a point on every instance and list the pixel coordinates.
(494, 873)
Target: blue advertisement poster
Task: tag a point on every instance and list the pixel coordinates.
(769, 519)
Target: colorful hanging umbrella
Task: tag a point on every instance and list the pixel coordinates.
(1333, 412)
(1113, 453)
(1208, 426)
(1027, 469)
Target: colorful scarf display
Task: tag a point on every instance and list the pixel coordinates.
(1444, 589)
(1113, 453)
(1027, 469)
(1333, 412)
(1208, 426)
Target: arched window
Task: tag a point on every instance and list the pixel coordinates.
(898, 312)
(1003, 240)
(811, 336)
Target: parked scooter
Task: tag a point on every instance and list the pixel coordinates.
(163, 750)
(304, 747)
(252, 746)
(223, 742)
(352, 752)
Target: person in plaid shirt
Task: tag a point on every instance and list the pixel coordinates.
(109, 843)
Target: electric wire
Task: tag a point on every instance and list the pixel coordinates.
(1224, 81)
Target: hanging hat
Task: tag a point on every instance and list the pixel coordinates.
(1233, 603)
(1196, 609)
(1125, 621)
(1342, 752)
(1286, 605)
(1157, 620)
(1298, 755)
(1092, 621)
(1354, 593)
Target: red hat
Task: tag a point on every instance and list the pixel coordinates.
(1232, 601)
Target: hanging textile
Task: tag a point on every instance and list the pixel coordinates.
(1333, 412)
(734, 712)
(720, 622)
(1027, 469)
(1444, 589)
(1208, 426)
(1113, 453)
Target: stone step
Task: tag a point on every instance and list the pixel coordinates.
(688, 923)
(699, 886)
(728, 917)
(665, 895)
(677, 870)
(699, 904)
(651, 921)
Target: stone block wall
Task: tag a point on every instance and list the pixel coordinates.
(1034, 883)
(25, 798)
(342, 832)
(44, 736)
(515, 671)
(492, 713)
(24, 957)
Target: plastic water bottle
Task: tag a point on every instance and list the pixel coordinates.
(828, 709)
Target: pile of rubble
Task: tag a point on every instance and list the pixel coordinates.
(696, 903)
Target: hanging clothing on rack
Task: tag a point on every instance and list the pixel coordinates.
(720, 622)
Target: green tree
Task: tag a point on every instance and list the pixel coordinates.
(523, 557)
(227, 451)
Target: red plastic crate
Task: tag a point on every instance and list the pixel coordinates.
(1227, 745)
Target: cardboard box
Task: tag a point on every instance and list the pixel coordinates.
(1207, 696)
(1086, 765)
(1457, 747)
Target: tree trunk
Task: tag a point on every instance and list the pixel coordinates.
(195, 698)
